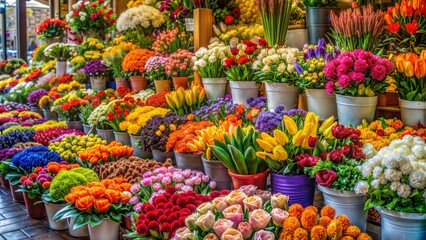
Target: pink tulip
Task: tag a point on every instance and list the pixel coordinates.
(135, 188)
(221, 225)
(245, 229)
(211, 236)
(264, 235)
(219, 204)
(206, 221)
(278, 216)
(157, 186)
(133, 200)
(234, 213)
(183, 233)
(252, 203)
(146, 182)
(235, 197)
(259, 219)
(232, 234)
(166, 180)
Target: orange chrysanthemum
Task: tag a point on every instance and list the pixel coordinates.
(136, 59)
(295, 210)
(346, 238)
(300, 234)
(334, 229)
(313, 208)
(324, 221)
(308, 219)
(290, 225)
(344, 220)
(353, 231)
(328, 211)
(318, 233)
(364, 236)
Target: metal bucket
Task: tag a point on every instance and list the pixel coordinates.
(412, 112)
(122, 137)
(51, 210)
(352, 110)
(189, 161)
(281, 94)
(402, 226)
(215, 87)
(243, 90)
(321, 103)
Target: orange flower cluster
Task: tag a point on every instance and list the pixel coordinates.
(305, 221)
(67, 78)
(101, 153)
(99, 196)
(135, 60)
(186, 133)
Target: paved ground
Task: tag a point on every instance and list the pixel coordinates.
(15, 224)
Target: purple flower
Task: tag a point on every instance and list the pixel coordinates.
(298, 67)
(311, 53)
(35, 96)
(378, 72)
(344, 81)
(95, 67)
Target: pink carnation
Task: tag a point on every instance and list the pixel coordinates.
(329, 87)
(360, 66)
(347, 62)
(388, 65)
(378, 73)
(342, 70)
(344, 81)
(356, 76)
(329, 70)
(373, 61)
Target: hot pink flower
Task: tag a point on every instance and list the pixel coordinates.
(93, 16)
(378, 72)
(360, 66)
(356, 76)
(344, 81)
(329, 87)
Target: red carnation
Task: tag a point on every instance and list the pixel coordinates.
(163, 219)
(176, 224)
(176, 209)
(262, 42)
(182, 220)
(236, 12)
(170, 189)
(215, 194)
(380, 132)
(191, 207)
(346, 149)
(229, 19)
(151, 215)
(142, 229)
(166, 227)
(153, 225)
(167, 211)
(100, 12)
(159, 205)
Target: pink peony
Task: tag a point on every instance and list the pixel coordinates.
(278, 216)
(329, 87)
(344, 81)
(388, 65)
(378, 72)
(347, 62)
(341, 70)
(330, 70)
(356, 76)
(360, 66)
(245, 229)
(373, 61)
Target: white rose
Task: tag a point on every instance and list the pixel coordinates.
(290, 68)
(222, 55)
(391, 161)
(408, 139)
(405, 165)
(394, 186)
(72, 20)
(82, 18)
(281, 68)
(403, 150)
(404, 190)
(271, 51)
(212, 59)
(377, 171)
(375, 183)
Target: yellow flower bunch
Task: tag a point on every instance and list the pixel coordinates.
(67, 87)
(44, 102)
(249, 11)
(206, 139)
(92, 55)
(29, 113)
(93, 43)
(242, 32)
(3, 84)
(138, 118)
(49, 124)
(49, 67)
(69, 146)
(78, 60)
(381, 132)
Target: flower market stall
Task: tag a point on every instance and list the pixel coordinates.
(136, 127)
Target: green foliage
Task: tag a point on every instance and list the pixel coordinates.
(90, 175)
(63, 182)
(319, 3)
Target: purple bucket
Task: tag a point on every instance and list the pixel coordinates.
(300, 188)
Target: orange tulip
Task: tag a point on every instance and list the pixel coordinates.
(423, 54)
(112, 195)
(416, 4)
(46, 185)
(38, 169)
(412, 57)
(97, 192)
(107, 182)
(53, 169)
(84, 203)
(125, 198)
(400, 64)
(420, 68)
(102, 205)
(77, 189)
(388, 19)
(94, 160)
(119, 180)
(409, 71)
(83, 193)
(95, 184)
(71, 198)
(125, 187)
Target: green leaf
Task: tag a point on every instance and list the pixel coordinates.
(239, 160)
(95, 220)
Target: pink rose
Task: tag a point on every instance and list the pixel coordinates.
(221, 225)
(183, 233)
(326, 177)
(211, 236)
(93, 16)
(264, 235)
(259, 219)
(232, 234)
(235, 197)
(248, 190)
(219, 204)
(263, 194)
(252, 203)
(278, 216)
(234, 213)
(245, 229)
(206, 221)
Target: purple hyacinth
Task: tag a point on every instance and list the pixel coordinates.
(95, 67)
(35, 96)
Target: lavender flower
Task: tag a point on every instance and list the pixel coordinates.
(35, 96)
(8, 153)
(259, 102)
(16, 136)
(95, 67)
(10, 106)
(154, 67)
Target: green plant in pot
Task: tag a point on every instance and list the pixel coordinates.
(237, 152)
(317, 18)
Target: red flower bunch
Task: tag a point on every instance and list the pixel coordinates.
(73, 104)
(186, 133)
(239, 67)
(67, 78)
(123, 91)
(120, 109)
(50, 28)
(34, 75)
(99, 154)
(157, 100)
(167, 212)
(43, 137)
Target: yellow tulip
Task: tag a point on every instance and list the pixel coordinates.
(280, 136)
(409, 69)
(209, 153)
(290, 125)
(327, 133)
(326, 124)
(310, 118)
(192, 147)
(280, 153)
(269, 139)
(399, 62)
(298, 138)
(261, 155)
(265, 145)
(272, 156)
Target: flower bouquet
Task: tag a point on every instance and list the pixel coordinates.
(99, 154)
(357, 77)
(169, 41)
(60, 51)
(139, 117)
(358, 28)
(405, 23)
(120, 109)
(381, 132)
(50, 28)
(97, 203)
(134, 66)
(95, 68)
(138, 24)
(113, 56)
(275, 17)
(67, 106)
(211, 66)
(409, 73)
(45, 136)
(155, 69)
(91, 16)
(34, 97)
(186, 101)
(180, 67)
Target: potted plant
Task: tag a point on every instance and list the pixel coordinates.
(238, 153)
(284, 153)
(92, 19)
(155, 134)
(404, 27)
(101, 215)
(61, 186)
(67, 108)
(180, 67)
(275, 67)
(134, 67)
(140, 29)
(310, 68)
(5, 155)
(356, 78)
(99, 119)
(96, 71)
(396, 188)
(169, 41)
(61, 52)
(337, 170)
(85, 112)
(51, 29)
(154, 68)
(317, 18)
(210, 65)
(185, 104)
(409, 75)
(34, 98)
(276, 17)
(113, 57)
(240, 72)
(358, 28)
(179, 140)
(45, 103)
